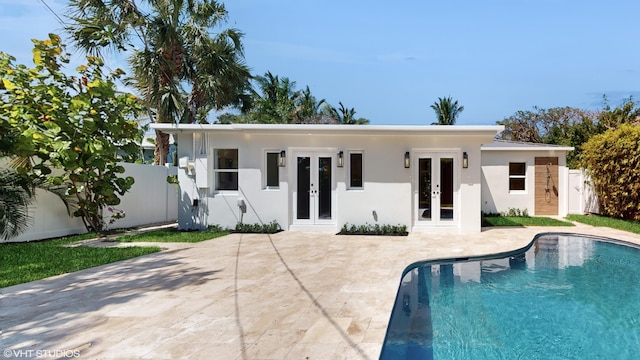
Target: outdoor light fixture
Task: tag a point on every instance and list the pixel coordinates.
(407, 160)
(283, 158)
(341, 158)
(465, 160)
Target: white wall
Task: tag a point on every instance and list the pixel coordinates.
(388, 187)
(150, 200)
(496, 196)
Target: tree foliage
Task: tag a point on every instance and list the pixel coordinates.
(566, 125)
(277, 101)
(612, 160)
(186, 64)
(447, 111)
(16, 194)
(72, 129)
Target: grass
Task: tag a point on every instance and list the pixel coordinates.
(30, 261)
(497, 220)
(173, 235)
(598, 220)
(25, 262)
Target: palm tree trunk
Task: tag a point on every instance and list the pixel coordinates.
(162, 148)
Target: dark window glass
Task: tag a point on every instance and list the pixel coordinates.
(517, 172)
(273, 178)
(517, 169)
(356, 170)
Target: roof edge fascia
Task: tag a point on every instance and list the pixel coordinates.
(479, 130)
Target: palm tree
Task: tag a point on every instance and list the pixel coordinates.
(309, 110)
(277, 104)
(346, 116)
(16, 194)
(178, 51)
(447, 111)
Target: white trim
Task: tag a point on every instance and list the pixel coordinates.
(308, 129)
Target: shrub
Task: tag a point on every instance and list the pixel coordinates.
(270, 228)
(377, 229)
(612, 159)
(513, 212)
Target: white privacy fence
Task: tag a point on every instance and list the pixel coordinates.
(151, 200)
(582, 198)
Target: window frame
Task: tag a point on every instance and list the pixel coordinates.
(350, 169)
(265, 176)
(523, 177)
(216, 170)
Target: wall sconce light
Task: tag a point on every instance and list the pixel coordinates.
(283, 158)
(465, 160)
(341, 158)
(407, 160)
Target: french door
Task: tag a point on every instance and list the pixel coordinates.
(435, 190)
(313, 198)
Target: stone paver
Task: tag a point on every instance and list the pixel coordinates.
(286, 296)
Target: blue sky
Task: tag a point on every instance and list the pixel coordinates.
(391, 61)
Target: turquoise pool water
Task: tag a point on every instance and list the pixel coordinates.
(563, 297)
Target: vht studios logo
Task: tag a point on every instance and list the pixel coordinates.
(55, 354)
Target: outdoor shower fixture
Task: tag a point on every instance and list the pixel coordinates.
(465, 160)
(341, 158)
(407, 160)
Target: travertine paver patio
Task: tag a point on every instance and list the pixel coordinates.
(286, 296)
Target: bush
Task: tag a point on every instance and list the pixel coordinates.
(270, 228)
(612, 160)
(513, 212)
(377, 229)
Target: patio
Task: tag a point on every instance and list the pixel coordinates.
(286, 296)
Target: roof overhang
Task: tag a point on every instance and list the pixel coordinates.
(334, 130)
(500, 145)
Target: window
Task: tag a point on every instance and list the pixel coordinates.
(226, 169)
(272, 176)
(517, 176)
(355, 171)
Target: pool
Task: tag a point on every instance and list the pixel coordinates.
(564, 296)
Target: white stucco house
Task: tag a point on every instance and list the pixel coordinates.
(319, 177)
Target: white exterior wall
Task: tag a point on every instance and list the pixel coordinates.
(389, 189)
(496, 196)
(151, 200)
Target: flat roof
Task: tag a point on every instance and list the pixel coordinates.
(312, 129)
(506, 145)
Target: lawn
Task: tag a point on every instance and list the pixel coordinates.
(597, 220)
(494, 220)
(172, 235)
(24, 262)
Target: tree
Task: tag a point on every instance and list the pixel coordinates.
(277, 101)
(72, 129)
(625, 113)
(447, 111)
(566, 125)
(16, 194)
(308, 109)
(178, 51)
(344, 115)
(612, 160)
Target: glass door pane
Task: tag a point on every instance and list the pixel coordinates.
(304, 188)
(324, 188)
(446, 188)
(424, 188)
